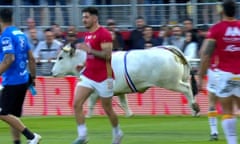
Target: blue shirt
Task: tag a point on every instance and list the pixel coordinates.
(13, 41)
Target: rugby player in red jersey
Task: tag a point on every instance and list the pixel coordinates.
(98, 75)
(224, 42)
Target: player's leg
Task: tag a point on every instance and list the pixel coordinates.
(17, 111)
(225, 91)
(11, 102)
(229, 121)
(116, 131)
(18, 125)
(105, 91)
(212, 100)
(212, 116)
(82, 92)
(16, 135)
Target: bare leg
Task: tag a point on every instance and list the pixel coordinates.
(19, 128)
(81, 95)
(116, 131)
(15, 134)
(13, 122)
(107, 106)
(212, 116)
(229, 121)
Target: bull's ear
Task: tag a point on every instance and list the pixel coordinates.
(66, 48)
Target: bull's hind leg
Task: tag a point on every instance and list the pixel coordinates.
(124, 104)
(185, 88)
(91, 104)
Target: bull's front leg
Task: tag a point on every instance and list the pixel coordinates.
(91, 104)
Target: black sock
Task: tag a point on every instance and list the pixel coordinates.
(28, 134)
(17, 142)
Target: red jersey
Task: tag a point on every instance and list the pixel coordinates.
(227, 37)
(98, 69)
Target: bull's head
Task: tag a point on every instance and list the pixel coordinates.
(68, 60)
(70, 48)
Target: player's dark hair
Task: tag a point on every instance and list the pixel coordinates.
(6, 15)
(91, 10)
(229, 8)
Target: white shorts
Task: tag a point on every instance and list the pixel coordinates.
(103, 89)
(211, 83)
(227, 84)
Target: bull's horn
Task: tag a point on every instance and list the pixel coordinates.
(67, 48)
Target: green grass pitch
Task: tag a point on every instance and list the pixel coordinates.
(137, 129)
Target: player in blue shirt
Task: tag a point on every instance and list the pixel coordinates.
(14, 55)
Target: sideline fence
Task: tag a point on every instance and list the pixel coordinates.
(55, 97)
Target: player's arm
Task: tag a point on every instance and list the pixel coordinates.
(31, 64)
(8, 59)
(205, 56)
(105, 53)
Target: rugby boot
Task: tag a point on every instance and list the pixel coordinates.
(214, 137)
(36, 140)
(81, 140)
(117, 138)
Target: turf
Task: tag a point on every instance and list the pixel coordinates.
(138, 130)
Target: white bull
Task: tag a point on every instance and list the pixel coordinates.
(136, 71)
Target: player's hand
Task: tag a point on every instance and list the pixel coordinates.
(83, 46)
(79, 68)
(110, 83)
(34, 82)
(31, 80)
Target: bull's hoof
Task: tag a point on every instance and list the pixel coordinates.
(128, 115)
(196, 109)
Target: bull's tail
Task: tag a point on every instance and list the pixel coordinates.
(194, 84)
